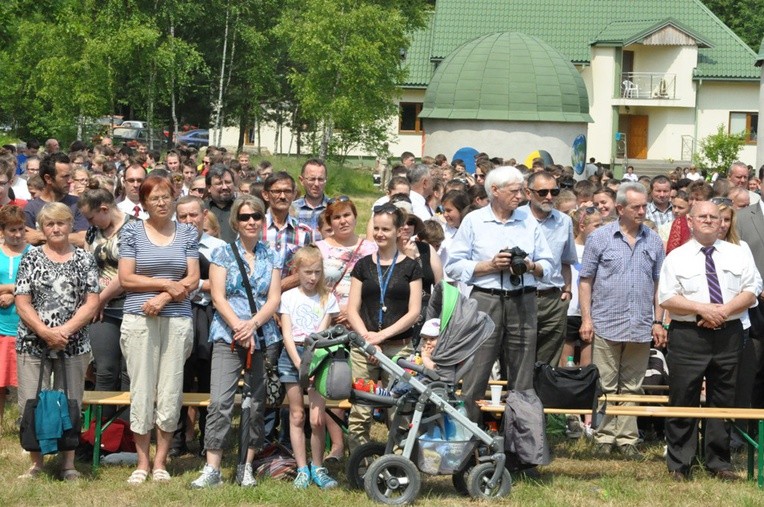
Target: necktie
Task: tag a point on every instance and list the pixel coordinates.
(136, 211)
(714, 291)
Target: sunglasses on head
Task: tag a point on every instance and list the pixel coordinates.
(385, 208)
(245, 217)
(545, 192)
(589, 210)
(342, 198)
(722, 201)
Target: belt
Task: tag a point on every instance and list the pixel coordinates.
(694, 325)
(506, 293)
(548, 292)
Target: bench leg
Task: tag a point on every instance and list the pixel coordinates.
(760, 456)
(98, 430)
(751, 451)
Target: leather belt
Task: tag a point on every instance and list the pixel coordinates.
(548, 292)
(506, 293)
(694, 325)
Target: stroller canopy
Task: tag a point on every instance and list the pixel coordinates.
(463, 328)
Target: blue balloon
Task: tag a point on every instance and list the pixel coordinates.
(467, 154)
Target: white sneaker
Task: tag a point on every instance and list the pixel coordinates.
(245, 476)
(208, 479)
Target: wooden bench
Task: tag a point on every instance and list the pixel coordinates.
(94, 401)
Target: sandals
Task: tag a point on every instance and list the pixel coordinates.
(138, 476)
(70, 474)
(160, 475)
(33, 472)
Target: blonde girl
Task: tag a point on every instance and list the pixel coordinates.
(305, 309)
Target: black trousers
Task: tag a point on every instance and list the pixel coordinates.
(695, 353)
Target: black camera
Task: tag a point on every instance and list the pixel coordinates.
(517, 266)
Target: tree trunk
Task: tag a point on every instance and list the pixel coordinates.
(326, 138)
(172, 85)
(219, 104)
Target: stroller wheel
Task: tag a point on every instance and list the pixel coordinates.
(392, 480)
(480, 476)
(459, 479)
(359, 462)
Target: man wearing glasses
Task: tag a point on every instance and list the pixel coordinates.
(308, 207)
(480, 256)
(553, 295)
(131, 204)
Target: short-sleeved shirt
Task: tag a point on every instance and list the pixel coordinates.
(624, 278)
(306, 312)
(236, 294)
(168, 262)
(308, 215)
(9, 267)
(339, 260)
(57, 290)
(558, 231)
(396, 299)
(286, 241)
(106, 253)
(33, 207)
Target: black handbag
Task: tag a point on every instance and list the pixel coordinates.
(27, 433)
(275, 392)
(573, 388)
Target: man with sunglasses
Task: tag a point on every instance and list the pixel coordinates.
(310, 205)
(554, 293)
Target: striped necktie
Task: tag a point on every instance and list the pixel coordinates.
(714, 291)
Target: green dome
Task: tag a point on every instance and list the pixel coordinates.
(507, 76)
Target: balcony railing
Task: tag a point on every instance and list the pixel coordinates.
(648, 85)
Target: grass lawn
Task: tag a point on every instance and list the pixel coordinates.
(575, 477)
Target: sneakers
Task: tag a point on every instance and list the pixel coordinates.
(302, 481)
(245, 476)
(630, 451)
(208, 479)
(321, 478)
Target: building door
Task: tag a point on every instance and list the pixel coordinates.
(637, 136)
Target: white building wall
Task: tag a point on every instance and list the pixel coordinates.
(715, 101)
(503, 139)
(600, 85)
(677, 60)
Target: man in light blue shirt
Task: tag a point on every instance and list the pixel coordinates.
(480, 257)
(553, 297)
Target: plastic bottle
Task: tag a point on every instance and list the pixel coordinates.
(570, 362)
(450, 428)
(461, 432)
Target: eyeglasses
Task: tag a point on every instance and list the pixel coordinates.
(545, 192)
(246, 217)
(277, 192)
(385, 208)
(159, 198)
(342, 198)
(722, 201)
(589, 210)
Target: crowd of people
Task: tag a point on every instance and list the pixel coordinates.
(168, 276)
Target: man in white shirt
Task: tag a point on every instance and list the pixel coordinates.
(707, 285)
(421, 188)
(738, 176)
(131, 204)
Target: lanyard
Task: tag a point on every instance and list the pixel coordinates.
(383, 282)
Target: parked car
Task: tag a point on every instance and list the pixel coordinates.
(134, 124)
(132, 136)
(194, 138)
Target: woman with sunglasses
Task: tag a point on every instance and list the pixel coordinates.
(235, 337)
(385, 302)
(341, 251)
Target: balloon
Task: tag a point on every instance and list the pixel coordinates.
(539, 154)
(466, 154)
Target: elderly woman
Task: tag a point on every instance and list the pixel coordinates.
(56, 297)
(13, 247)
(341, 251)
(384, 303)
(234, 334)
(158, 268)
(98, 206)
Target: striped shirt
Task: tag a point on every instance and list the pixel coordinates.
(624, 280)
(308, 215)
(165, 262)
(285, 241)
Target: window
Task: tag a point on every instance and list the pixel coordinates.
(408, 120)
(745, 122)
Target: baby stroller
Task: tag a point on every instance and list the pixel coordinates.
(430, 431)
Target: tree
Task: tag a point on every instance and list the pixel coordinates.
(720, 150)
(345, 60)
(744, 17)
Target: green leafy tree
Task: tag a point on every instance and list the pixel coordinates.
(744, 17)
(719, 150)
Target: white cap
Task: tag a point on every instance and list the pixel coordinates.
(431, 328)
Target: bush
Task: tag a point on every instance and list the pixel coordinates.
(719, 150)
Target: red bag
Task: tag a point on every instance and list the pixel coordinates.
(117, 437)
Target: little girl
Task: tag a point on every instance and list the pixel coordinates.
(304, 310)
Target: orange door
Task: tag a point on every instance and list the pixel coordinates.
(637, 137)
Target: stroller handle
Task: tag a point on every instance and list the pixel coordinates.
(419, 368)
(325, 344)
(337, 335)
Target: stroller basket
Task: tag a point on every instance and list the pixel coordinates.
(443, 457)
